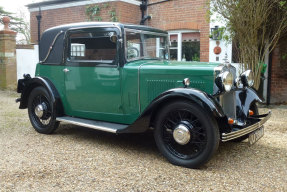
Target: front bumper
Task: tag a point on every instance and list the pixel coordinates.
(261, 119)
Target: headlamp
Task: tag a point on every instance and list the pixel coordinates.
(247, 78)
(224, 81)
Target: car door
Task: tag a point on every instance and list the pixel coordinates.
(92, 75)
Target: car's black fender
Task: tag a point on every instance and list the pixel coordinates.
(26, 85)
(206, 101)
(244, 99)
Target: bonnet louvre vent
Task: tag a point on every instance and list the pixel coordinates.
(156, 87)
(198, 85)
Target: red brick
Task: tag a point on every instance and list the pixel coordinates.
(171, 15)
(180, 15)
(279, 74)
(125, 12)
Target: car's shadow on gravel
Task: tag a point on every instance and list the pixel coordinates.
(143, 141)
(228, 154)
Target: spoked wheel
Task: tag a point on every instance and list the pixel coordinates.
(186, 135)
(41, 112)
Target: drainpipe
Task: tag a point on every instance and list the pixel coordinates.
(39, 17)
(143, 8)
(269, 79)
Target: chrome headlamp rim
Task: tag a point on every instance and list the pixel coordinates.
(247, 78)
(225, 81)
(238, 82)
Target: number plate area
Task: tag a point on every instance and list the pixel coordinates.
(256, 135)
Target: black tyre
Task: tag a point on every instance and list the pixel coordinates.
(185, 134)
(41, 112)
(254, 108)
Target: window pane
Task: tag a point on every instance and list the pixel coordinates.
(97, 47)
(191, 51)
(133, 45)
(146, 46)
(162, 49)
(191, 46)
(173, 54)
(188, 37)
(173, 41)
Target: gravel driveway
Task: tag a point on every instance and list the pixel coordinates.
(80, 159)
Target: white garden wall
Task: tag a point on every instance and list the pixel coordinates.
(27, 60)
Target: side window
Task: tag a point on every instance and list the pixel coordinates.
(93, 47)
(134, 45)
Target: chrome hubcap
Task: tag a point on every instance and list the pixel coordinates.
(39, 110)
(181, 134)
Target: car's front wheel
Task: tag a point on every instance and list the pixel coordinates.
(186, 134)
(41, 112)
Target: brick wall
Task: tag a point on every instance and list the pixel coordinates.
(172, 15)
(125, 12)
(279, 74)
(128, 13)
(183, 14)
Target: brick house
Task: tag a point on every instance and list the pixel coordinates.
(185, 20)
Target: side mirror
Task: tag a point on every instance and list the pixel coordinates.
(113, 38)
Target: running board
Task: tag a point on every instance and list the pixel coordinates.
(98, 125)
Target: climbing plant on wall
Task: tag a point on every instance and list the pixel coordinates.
(113, 15)
(93, 12)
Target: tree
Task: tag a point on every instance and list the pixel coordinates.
(18, 24)
(257, 26)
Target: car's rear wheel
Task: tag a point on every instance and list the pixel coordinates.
(41, 112)
(185, 134)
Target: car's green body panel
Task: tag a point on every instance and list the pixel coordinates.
(155, 78)
(55, 74)
(113, 93)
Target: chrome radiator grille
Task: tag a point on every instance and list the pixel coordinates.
(228, 104)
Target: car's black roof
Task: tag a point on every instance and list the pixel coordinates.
(56, 53)
(66, 27)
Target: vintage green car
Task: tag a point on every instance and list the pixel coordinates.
(117, 78)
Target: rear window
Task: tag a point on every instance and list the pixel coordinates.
(93, 47)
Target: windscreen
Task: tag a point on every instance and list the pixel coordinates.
(146, 45)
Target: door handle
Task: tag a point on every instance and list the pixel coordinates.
(66, 70)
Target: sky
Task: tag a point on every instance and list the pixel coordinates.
(15, 6)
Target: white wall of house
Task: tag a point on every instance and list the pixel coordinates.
(226, 47)
(27, 60)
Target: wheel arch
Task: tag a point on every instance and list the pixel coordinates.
(49, 86)
(190, 95)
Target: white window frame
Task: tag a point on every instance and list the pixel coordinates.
(179, 40)
(78, 50)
